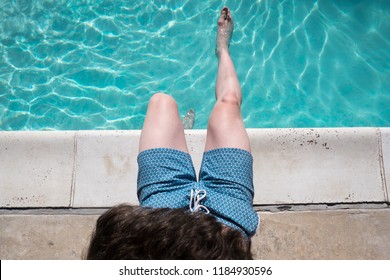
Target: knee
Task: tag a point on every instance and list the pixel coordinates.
(227, 111)
(162, 100)
(231, 98)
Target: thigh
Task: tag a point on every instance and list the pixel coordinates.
(227, 174)
(226, 128)
(162, 127)
(165, 177)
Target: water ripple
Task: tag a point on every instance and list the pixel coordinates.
(95, 64)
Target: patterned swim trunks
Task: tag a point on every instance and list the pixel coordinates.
(166, 178)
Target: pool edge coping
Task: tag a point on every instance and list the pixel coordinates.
(77, 194)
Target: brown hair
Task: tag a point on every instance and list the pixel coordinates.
(133, 232)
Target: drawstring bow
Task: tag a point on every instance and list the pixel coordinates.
(195, 199)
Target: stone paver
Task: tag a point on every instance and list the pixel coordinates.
(316, 166)
(196, 141)
(44, 237)
(106, 168)
(340, 234)
(36, 171)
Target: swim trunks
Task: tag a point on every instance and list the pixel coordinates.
(166, 178)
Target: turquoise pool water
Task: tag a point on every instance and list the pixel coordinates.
(94, 64)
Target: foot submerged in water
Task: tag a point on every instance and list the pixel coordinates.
(189, 119)
(225, 31)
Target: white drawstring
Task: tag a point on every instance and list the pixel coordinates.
(196, 197)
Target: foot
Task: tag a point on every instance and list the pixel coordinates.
(225, 30)
(189, 119)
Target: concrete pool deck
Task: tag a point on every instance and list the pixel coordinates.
(321, 193)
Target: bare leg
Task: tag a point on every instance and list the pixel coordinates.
(226, 127)
(162, 127)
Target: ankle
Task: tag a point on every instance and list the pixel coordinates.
(219, 51)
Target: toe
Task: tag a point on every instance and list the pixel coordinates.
(225, 10)
(222, 17)
(225, 13)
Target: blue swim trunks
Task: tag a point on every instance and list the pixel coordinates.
(166, 178)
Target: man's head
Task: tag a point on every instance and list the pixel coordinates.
(133, 232)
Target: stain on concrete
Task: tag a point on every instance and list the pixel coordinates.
(303, 138)
(22, 201)
(117, 166)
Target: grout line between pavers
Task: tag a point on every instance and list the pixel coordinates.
(258, 208)
(73, 183)
(322, 206)
(382, 165)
